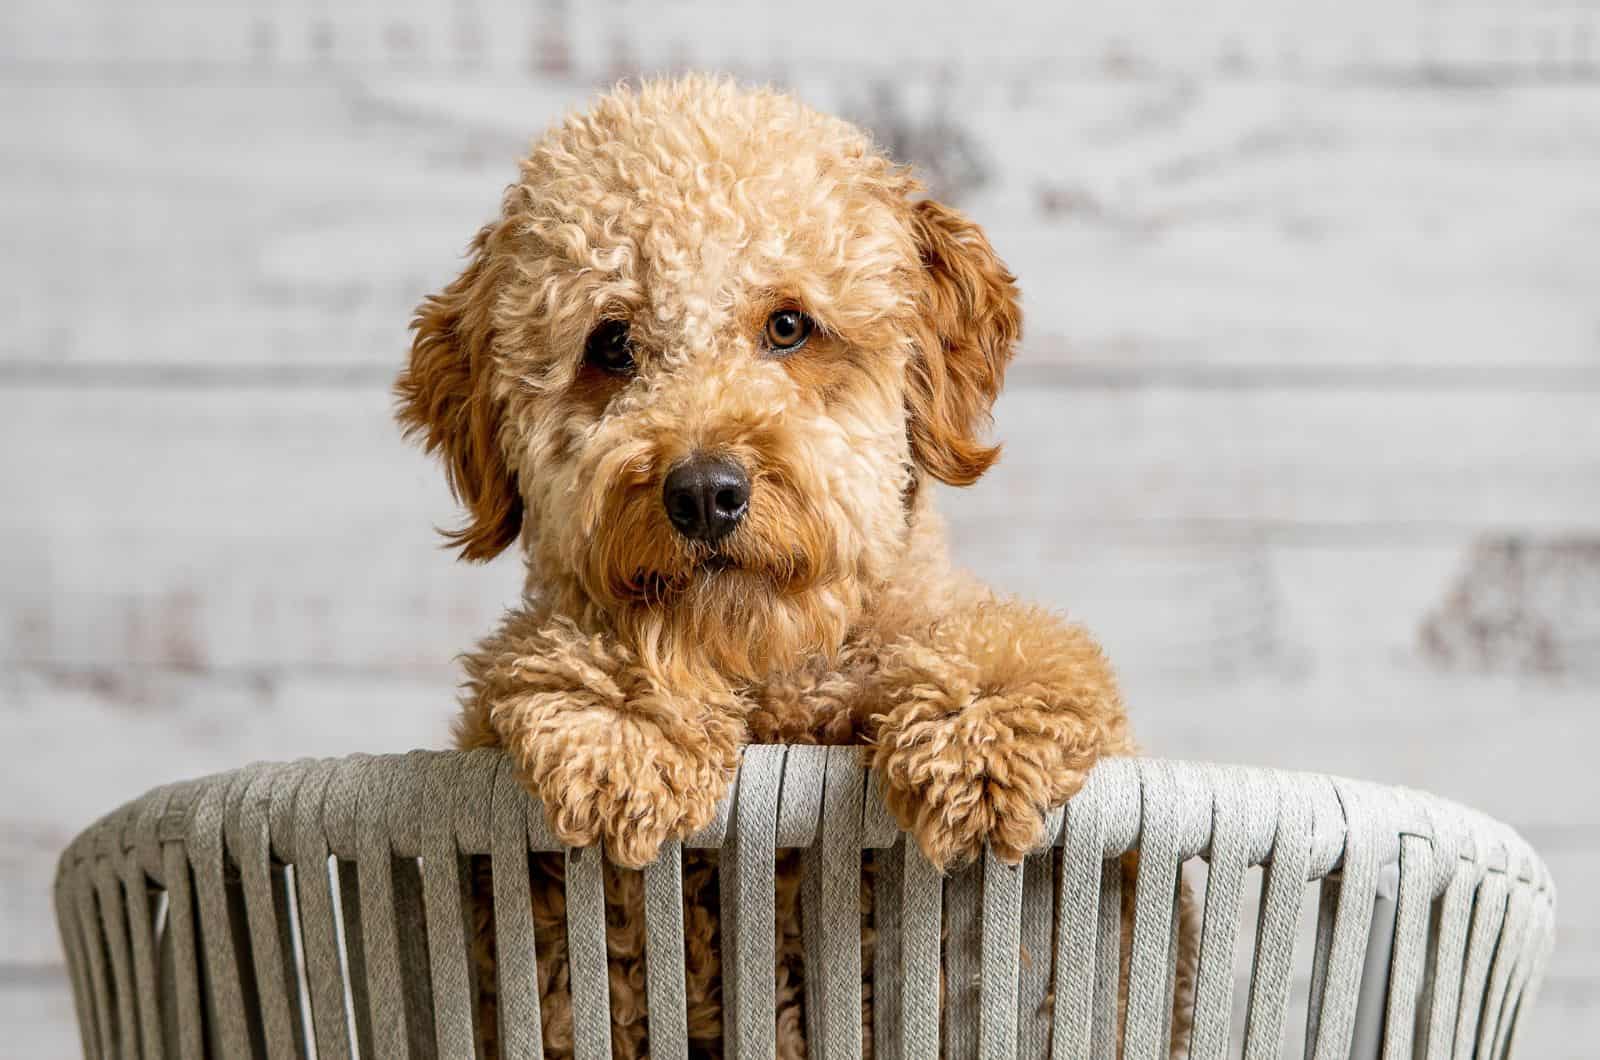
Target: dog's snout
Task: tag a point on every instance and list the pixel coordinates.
(706, 496)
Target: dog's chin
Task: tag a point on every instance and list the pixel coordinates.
(741, 621)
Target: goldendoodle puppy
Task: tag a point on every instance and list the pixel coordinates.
(703, 368)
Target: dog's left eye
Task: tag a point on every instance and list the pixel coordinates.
(788, 329)
(609, 348)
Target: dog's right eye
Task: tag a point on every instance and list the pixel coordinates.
(609, 349)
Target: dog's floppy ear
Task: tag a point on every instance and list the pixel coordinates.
(446, 398)
(971, 319)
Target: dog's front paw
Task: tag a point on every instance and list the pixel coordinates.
(988, 724)
(985, 775)
(617, 778)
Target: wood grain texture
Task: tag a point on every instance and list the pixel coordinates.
(278, 226)
(554, 37)
(1304, 427)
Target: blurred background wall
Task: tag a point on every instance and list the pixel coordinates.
(1305, 424)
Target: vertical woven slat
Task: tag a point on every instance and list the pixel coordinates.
(470, 782)
(66, 902)
(840, 891)
(1512, 938)
(318, 935)
(285, 909)
(167, 989)
(1033, 990)
(204, 841)
(1154, 891)
(416, 967)
(252, 849)
(1108, 962)
(1488, 915)
(516, 956)
(144, 841)
(1352, 925)
(963, 960)
(1000, 955)
(281, 819)
(805, 772)
(72, 941)
(1078, 901)
(238, 907)
(375, 891)
(1232, 818)
(340, 806)
(1366, 1037)
(921, 900)
(139, 899)
(1410, 946)
(109, 891)
(880, 833)
(888, 958)
(1327, 906)
(664, 954)
(181, 930)
(238, 924)
(94, 949)
(586, 948)
(441, 891)
(810, 945)
(1538, 958)
(355, 951)
(1283, 890)
(731, 917)
(754, 833)
(1519, 948)
(1449, 952)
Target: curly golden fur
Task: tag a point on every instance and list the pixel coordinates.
(642, 659)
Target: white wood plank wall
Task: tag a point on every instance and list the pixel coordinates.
(1307, 423)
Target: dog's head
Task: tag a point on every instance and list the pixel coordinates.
(699, 365)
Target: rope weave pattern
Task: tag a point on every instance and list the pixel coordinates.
(319, 905)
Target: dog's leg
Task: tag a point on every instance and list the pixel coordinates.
(988, 718)
(614, 750)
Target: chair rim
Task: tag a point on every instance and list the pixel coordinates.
(1381, 843)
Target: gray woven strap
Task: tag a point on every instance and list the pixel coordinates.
(141, 901)
(318, 934)
(1230, 860)
(1148, 998)
(836, 908)
(921, 904)
(205, 845)
(664, 954)
(517, 987)
(327, 903)
(1077, 934)
(748, 891)
(1001, 940)
(1283, 890)
(586, 950)
(1033, 987)
(108, 892)
(341, 799)
(963, 962)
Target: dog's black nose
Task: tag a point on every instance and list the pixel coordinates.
(706, 496)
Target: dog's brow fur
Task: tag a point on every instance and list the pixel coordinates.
(641, 661)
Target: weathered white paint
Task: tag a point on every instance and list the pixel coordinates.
(1304, 427)
(1173, 228)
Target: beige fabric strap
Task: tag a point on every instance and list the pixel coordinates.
(326, 903)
